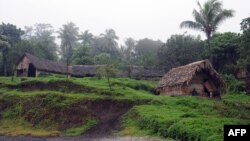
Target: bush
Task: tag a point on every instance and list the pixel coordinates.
(234, 85)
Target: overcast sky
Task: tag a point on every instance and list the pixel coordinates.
(154, 19)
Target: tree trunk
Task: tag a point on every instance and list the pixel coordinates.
(109, 83)
(209, 46)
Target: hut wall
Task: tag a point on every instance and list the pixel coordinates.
(172, 91)
(198, 87)
(38, 73)
(22, 67)
(186, 90)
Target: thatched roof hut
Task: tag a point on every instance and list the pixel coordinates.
(84, 70)
(198, 78)
(30, 65)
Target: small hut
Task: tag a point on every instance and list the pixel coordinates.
(32, 66)
(198, 78)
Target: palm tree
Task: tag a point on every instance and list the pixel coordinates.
(4, 46)
(69, 36)
(111, 39)
(87, 37)
(208, 18)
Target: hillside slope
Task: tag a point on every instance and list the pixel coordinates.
(85, 106)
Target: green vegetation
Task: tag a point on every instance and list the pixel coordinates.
(44, 105)
(31, 110)
(57, 105)
(234, 85)
(14, 127)
(80, 130)
(187, 118)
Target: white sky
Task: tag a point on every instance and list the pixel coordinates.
(154, 19)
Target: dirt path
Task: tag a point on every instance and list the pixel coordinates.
(78, 138)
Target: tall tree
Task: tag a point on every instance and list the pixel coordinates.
(69, 36)
(111, 44)
(4, 46)
(207, 19)
(244, 60)
(11, 32)
(146, 52)
(42, 38)
(180, 50)
(225, 52)
(10, 35)
(86, 37)
(128, 51)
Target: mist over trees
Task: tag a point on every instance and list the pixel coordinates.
(41, 37)
(228, 52)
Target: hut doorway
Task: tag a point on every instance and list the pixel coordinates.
(31, 71)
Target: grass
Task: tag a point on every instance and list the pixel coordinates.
(80, 130)
(39, 107)
(16, 127)
(182, 118)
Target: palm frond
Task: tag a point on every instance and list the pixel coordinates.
(199, 18)
(199, 4)
(222, 16)
(191, 25)
(211, 9)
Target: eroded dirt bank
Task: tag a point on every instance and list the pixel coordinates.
(79, 138)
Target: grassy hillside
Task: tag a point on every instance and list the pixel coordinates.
(59, 106)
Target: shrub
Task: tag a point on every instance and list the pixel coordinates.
(234, 85)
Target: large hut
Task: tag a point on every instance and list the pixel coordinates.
(198, 78)
(84, 70)
(32, 66)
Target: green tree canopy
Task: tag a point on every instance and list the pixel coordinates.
(102, 58)
(82, 56)
(245, 50)
(86, 37)
(180, 50)
(9, 36)
(109, 43)
(225, 52)
(69, 36)
(209, 16)
(41, 37)
(128, 51)
(146, 52)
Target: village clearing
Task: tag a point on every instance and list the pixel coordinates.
(48, 107)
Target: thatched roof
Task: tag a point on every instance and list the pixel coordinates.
(184, 74)
(46, 65)
(84, 70)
